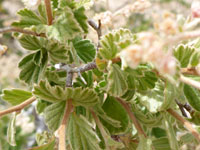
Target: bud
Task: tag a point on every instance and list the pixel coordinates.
(3, 49)
(31, 4)
(195, 9)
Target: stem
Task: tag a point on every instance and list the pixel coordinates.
(183, 36)
(186, 123)
(69, 79)
(132, 117)
(189, 71)
(181, 107)
(18, 107)
(62, 128)
(189, 81)
(101, 128)
(13, 29)
(49, 12)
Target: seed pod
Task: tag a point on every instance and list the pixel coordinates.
(193, 96)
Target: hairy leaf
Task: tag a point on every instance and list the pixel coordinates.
(80, 16)
(161, 144)
(11, 131)
(49, 146)
(58, 53)
(144, 144)
(117, 85)
(15, 96)
(53, 115)
(30, 42)
(114, 42)
(114, 110)
(28, 19)
(85, 49)
(81, 135)
(33, 66)
(187, 55)
(65, 27)
(80, 97)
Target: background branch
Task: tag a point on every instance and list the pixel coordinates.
(186, 123)
(189, 81)
(13, 29)
(18, 107)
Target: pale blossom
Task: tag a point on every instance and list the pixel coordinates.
(195, 9)
(31, 4)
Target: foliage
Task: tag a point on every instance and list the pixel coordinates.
(86, 87)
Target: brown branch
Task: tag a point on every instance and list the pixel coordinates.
(101, 128)
(189, 71)
(62, 128)
(186, 123)
(13, 29)
(189, 81)
(181, 107)
(49, 12)
(132, 117)
(18, 107)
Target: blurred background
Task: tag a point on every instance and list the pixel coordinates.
(137, 17)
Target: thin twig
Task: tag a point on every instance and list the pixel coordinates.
(189, 81)
(13, 29)
(101, 128)
(18, 107)
(132, 117)
(62, 128)
(69, 79)
(183, 36)
(186, 123)
(49, 12)
(189, 71)
(97, 28)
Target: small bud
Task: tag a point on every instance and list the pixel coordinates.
(3, 49)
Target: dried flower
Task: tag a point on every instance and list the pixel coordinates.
(3, 49)
(31, 4)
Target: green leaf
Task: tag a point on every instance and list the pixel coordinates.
(33, 66)
(87, 77)
(53, 115)
(144, 144)
(49, 146)
(80, 16)
(114, 110)
(170, 132)
(15, 96)
(80, 97)
(161, 144)
(11, 131)
(156, 100)
(193, 96)
(114, 42)
(30, 42)
(187, 55)
(81, 135)
(42, 12)
(65, 27)
(57, 77)
(58, 53)
(85, 49)
(117, 85)
(40, 106)
(28, 19)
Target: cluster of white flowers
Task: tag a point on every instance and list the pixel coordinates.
(149, 50)
(25, 123)
(31, 4)
(168, 25)
(107, 17)
(195, 9)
